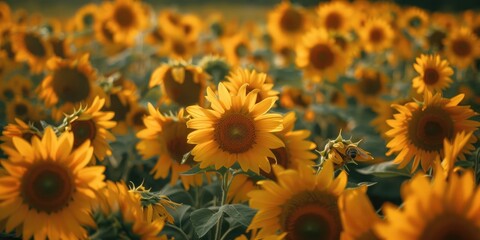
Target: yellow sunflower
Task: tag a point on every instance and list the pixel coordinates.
(291, 97)
(235, 129)
(93, 124)
(237, 48)
(30, 47)
(122, 100)
(116, 201)
(48, 190)
(23, 109)
(320, 57)
(177, 47)
(376, 35)
(300, 203)
(135, 117)
(166, 137)
(86, 16)
(287, 23)
(419, 129)
(105, 36)
(181, 83)
(18, 129)
(434, 74)
(462, 47)
(451, 150)
(254, 80)
(436, 209)
(335, 16)
(358, 215)
(415, 21)
(60, 46)
(126, 19)
(371, 84)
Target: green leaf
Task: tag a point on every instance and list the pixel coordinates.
(196, 170)
(204, 219)
(240, 213)
(385, 169)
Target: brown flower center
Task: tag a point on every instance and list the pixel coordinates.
(436, 39)
(450, 226)
(58, 46)
(291, 21)
(179, 48)
(428, 128)
(184, 94)
(83, 130)
(106, 32)
(70, 84)
(8, 93)
(235, 133)
(431, 76)
(311, 215)
(376, 35)
(371, 84)
(34, 45)
(137, 118)
(461, 47)
(21, 109)
(124, 16)
(241, 50)
(47, 186)
(118, 108)
(333, 21)
(321, 56)
(158, 35)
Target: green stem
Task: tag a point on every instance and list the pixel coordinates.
(225, 186)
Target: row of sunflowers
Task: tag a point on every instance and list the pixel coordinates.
(345, 120)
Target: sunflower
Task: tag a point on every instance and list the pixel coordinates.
(135, 117)
(17, 86)
(48, 190)
(418, 130)
(166, 137)
(415, 21)
(291, 97)
(5, 13)
(320, 57)
(376, 35)
(18, 129)
(236, 129)
(126, 19)
(22, 109)
(154, 204)
(60, 47)
(438, 209)
(86, 16)
(30, 47)
(119, 209)
(335, 16)
(462, 47)
(254, 80)
(287, 23)
(371, 84)
(300, 203)
(177, 47)
(237, 48)
(358, 215)
(217, 67)
(93, 124)
(181, 83)
(385, 111)
(452, 149)
(121, 103)
(239, 188)
(191, 27)
(105, 36)
(434, 74)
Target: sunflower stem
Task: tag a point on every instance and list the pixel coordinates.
(225, 186)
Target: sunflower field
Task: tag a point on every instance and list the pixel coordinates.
(126, 119)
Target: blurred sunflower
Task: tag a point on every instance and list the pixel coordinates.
(135, 117)
(23, 109)
(376, 35)
(254, 80)
(347, 44)
(105, 36)
(291, 97)
(435, 40)
(358, 215)
(5, 13)
(462, 47)
(385, 111)
(418, 130)
(300, 203)
(181, 83)
(126, 19)
(434, 74)
(121, 101)
(166, 137)
(287, 22)
(47, 184)
(237, 48)
(335, 16)
(191, 27)
(320, 57)
(236, 129)
(32, 48)
(19, 129)
(371, 84)
(177, 47)
(437, 209)
(86, 16)
(154, 205)
(415, 21)
(451, 150)
(60, 47)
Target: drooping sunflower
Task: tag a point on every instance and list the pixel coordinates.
(235, 129)
(30, 47)
(358, 215)
(93, 124)
(335, 16)
(415, 21)
(434, 74)
(166, 137)
(181, 83)
(438, 209)
(462, 47)
(376, 35)
(419, 129)
(320, 57)
(254, 80)
(154, 204)
(48, 190)
(301, 203)
(126, 19)
(119, 209)
(287, 23)
(371, 84)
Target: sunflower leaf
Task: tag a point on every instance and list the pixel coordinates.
(240, 213)
(196, 170)
(385, 169)
(204, 219)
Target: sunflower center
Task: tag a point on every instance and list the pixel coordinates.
(427, 129)
(235, 133)
(8, 93)
(436, 39)
(138, 118)
(20, 109)
(187, 29)
(291, 20)
(186, 93)
(58, 47)
(376, 35)
(83, 130)
(461, 47)
(178, 48)
(449, 227)
(333, 21)
(118, 108)
(177, 146)
(70, 85)
(47, 186)
(415, 22)
(322, 56)
(106, 32)
(371, 85)
(431, 76)
(311, 215)
(124, 16)
(282, 157)
(241, 50)
(34, 45)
